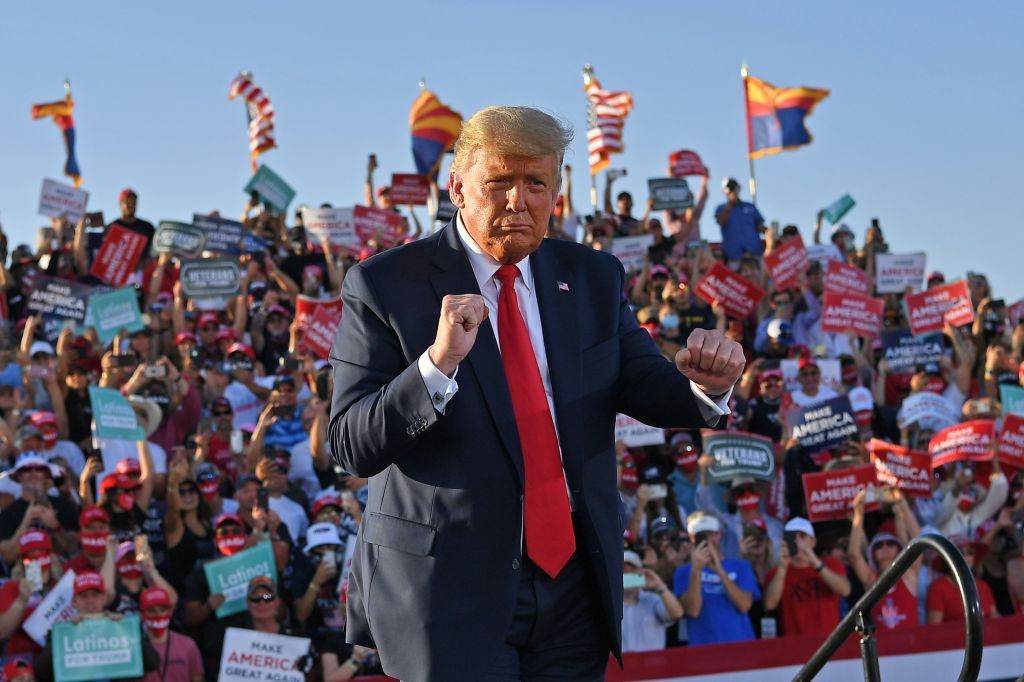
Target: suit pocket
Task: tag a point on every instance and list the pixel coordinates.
(396, 533)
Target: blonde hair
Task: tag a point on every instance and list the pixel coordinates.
(522, 131)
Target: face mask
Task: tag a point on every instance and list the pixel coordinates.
(94, 543)
(230, 544)
(965, 503)
(130, 570)
(157, 625)
(630, 480)
(49, 439)
(125, 501)
(935, 385)
(44, 566)
(748, 501)
(687, 460)
(670, 321)
(208, 489)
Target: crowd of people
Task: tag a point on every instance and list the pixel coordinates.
(235, 408)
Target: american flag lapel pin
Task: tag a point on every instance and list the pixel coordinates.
(562, 286)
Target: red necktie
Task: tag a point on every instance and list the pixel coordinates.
(547, 519)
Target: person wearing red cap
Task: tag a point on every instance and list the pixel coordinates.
(179, 656)
(19, 597)
(135, 570)
(128, 200)
(19, 670)
(269, 331)
(49, 425)
(811, 391)
(98, 547)
(762, 415)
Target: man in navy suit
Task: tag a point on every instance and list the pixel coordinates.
(477, 374)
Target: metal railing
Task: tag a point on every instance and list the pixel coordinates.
(858, 618)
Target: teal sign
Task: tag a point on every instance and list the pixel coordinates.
(97, 649)
(114, 415)
(210, 277)
(839, 208)
(271, 188)
(111, 312)
(737, 453)
(1012, 398)
(230, 576)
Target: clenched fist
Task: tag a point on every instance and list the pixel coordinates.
(711, 360)
(461, 317)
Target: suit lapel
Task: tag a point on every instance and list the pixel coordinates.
(554, 280)
(455, 276)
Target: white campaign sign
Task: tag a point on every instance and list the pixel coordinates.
(250, 655)
(54, 608)
(634, 433)
(57, 199)
(337, 224)
(895, 272)
(631, 251)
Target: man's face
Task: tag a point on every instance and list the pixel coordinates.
(783, 305)
(128, 206)
(624, 204)
(35, 479)
(246, 495)
(809, 378)
(89, 602)
(506, 201)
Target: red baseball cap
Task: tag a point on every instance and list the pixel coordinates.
(209, 318)
(278, 310)
(326, 501)
(228, 517)
(226, 334)
(89, 580)
(93, 514)
(129, 465)
(184, 337)
(154, 596)
(17, 666)
(382, 190)
(34, 541)
(125, 193)
(807, 362)
(243, 348)
(43, 418)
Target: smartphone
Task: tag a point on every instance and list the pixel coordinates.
(261, 499)
(699, 538)
(155, 371)
(998, 303)
(870, 495)
(282, 411)
(34, 575)
(752, 531)
(329, 558)
(790, 539)
(42, 498)
(237, 443)
(658, 491)
(141, 548)
(38, 371)
(124, 361)
(291, 363)
(632, 581)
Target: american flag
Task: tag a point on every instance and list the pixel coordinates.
(261, 116)
(606, 114)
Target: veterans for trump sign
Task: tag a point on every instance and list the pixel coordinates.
(824, 425)
(908, 470)
(852, 312)
(969, 441)
(737, 453)
(929, 310)
(737, 295)
(829, 494)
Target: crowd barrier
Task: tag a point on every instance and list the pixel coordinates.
(927, 652)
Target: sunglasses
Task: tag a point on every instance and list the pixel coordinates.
(228, 532)
(36, 469)
(266, 598)
(188, 491)
(771, 382)
(285, 388)
(221, 413)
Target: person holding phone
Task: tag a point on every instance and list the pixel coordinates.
(716, 593)
(649, 607)
(315, 575)
(36, 509)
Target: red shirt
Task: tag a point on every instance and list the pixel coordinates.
(945, 597)
(19, 642)
(808, 606)
(898, 609)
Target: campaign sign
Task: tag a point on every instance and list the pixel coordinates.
(115, 418)
(634, 433)
(969, 441)
(737, 295)
(929, 310)
(895, 272)
(1016, 312)
(337, 225)
(180, 239)
(843, 278)
(686, 162)
(55, 607)
(230, 576)
(118, 255)
(738, 453)
(58, 298)
(108, 313)
(410, 189)
(98, 649)
(306, 307)
(223, 236)
(669, 193)
(376, 223)
(824, 425)
(822, 253)
(928, 410)
(838, 208)
(446, 210)
(852, 312)
(271, 188)
(251, 656)
(787, 262)
(253, 244)
(632, 251)
(830, 494)
(1012, 398)
(57, 199)
(1011, 441)
(904, 351)
(210, 277)
(907, 470)
(318, 333)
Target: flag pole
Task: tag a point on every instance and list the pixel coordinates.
(251, 112)
(588, 76)
(750, 159)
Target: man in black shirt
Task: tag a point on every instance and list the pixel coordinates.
(763, 411)
(128, 200)
(54, 515)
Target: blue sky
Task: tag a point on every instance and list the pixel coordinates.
(923, 126)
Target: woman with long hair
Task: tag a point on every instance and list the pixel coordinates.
(187, 525)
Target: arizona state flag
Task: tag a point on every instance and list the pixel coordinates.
(434, 128)
(775, 116)
(61, 111)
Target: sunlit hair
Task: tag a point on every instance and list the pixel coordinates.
(521, 131)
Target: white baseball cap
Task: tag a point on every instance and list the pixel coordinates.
(700, 522)
(319, 534)
(632, 558)
(799, 524)
(861, 400)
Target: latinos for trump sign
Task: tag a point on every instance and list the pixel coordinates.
(1012, 398)
(838, 208)
(98, 649)
(970, 441)
(669, 193)
(1011, 441)
(902, 468)
(787, 262)
(737, 295)
(271, 188)
(904, 351)
(118, 255)
(109, 313)
(929, 310)
(114, 415)
(830, 494)
(252, 656)
(852, 312)
(737, 453)
(824, 425)
(842, 278)
(895, 272)
(230, 576)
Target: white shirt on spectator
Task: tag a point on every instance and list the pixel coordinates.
(292, 515)
(801, 399)
(301, 469)
(644, 623)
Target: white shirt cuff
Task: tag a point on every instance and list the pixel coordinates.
(710, 409)
(440, 388)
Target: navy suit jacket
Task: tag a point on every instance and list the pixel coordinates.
(436, 569)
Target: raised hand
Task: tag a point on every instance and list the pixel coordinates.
(711, 360)
(461, 317)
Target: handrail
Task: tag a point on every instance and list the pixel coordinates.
(857, 618)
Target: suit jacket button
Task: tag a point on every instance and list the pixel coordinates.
(515, 564)
(411, 430)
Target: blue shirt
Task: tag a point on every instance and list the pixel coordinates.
(719, 621)
(739, 234)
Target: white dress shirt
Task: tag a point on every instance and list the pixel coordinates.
(441, 389)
